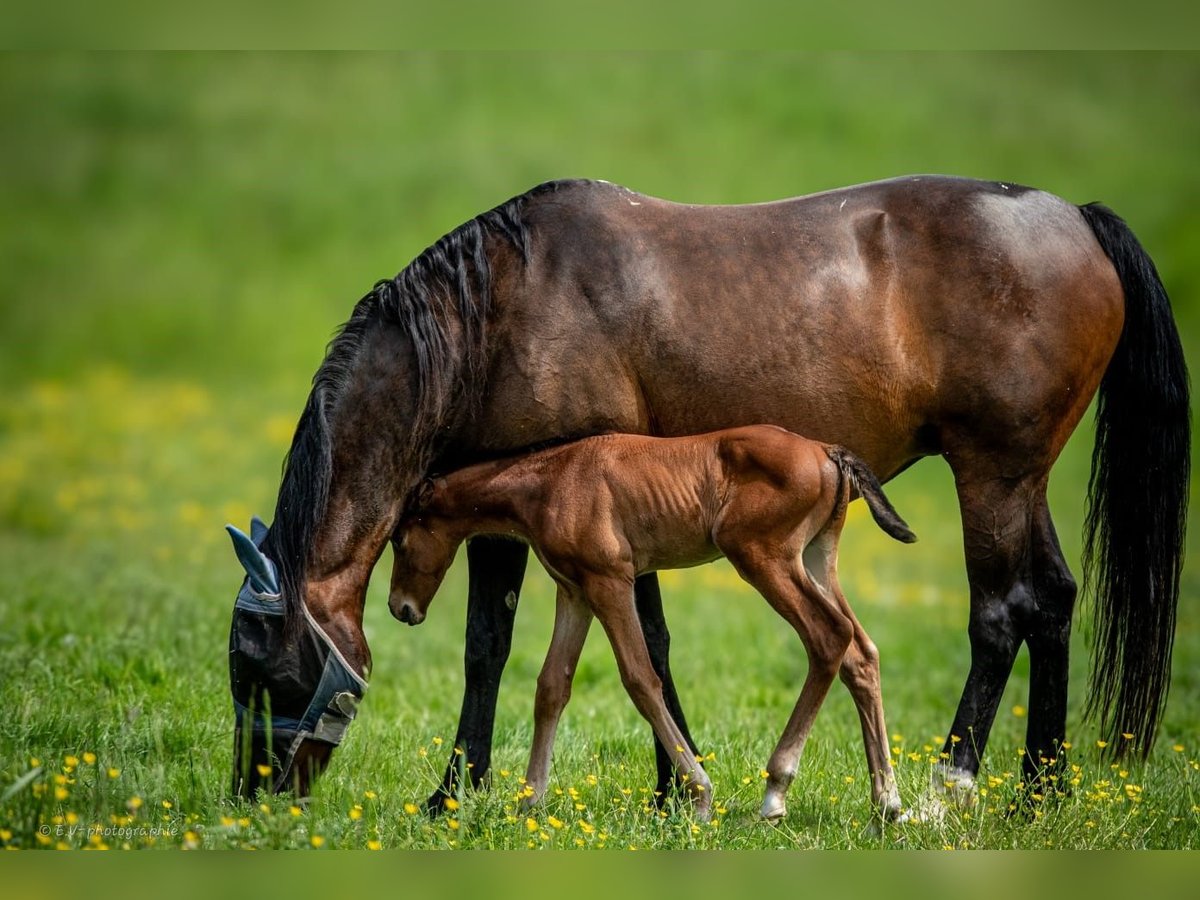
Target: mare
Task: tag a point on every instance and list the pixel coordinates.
(920, 316)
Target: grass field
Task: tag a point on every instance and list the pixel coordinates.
(182, 235)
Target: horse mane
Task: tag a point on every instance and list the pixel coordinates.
(450, 281)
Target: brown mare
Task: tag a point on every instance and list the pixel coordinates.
(923, 316)
(601, 511)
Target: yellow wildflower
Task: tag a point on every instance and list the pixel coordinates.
(263, 770)
(451, 804)
(374, 845)
(89, 758)
(555, 823)
(316, 840)
(1018, 711)
(410, 808)
(452, 824)
(114, 772)
(531, 825)
(355, 812)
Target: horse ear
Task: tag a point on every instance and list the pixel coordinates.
(257, 566)
(424, 495)
(258, 530)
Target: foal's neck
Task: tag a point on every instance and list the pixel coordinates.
(488, 498)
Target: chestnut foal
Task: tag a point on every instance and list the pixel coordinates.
(600, 511)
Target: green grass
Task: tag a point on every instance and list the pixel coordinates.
(182, 235)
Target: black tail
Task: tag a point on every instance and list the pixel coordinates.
(1137, 499)
(860, 475)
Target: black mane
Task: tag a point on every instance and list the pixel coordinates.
(450, 278)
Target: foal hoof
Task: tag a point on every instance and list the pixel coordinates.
(773, 809)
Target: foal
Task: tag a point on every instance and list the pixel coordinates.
(600, 511)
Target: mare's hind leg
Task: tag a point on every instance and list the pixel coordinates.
(571, 621)
(658, 642)
(997, 515)
(496, 568)
(1048, 635)
(826, 634)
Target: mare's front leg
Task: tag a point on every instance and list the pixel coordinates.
(658, 642)
(571, 621)
(497, 568)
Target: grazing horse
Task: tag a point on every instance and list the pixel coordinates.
(601, 511)
(922, 316)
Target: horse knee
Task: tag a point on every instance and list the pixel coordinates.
(828, 649)
(860, 667)
(553, 692)
(644, 689)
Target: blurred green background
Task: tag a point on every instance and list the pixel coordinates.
(181, 234)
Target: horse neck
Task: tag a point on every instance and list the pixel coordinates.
(488, 498)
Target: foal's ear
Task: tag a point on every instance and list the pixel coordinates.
(424, 495)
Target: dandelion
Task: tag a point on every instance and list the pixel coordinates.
(451, 804)
(191, 840)
(531, 825)
(370, 795)
(452, 824)
(355, 812)
(61, 793)
(1127, 735)
(114, 773)
(555, 823)
(374, 845)
(295, 811)
(1101, 744)
(34, 762)
(70, 762)
(226, 822)
(1178, 748)
(437, 742)
(1018, 711)
(317, 841)
(410, 808)
(265, 808)
(166, 804)
(89, 758)
(263, 770)
(587, 827)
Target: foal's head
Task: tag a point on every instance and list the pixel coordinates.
(423, 547)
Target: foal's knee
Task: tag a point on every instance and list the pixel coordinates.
(644, 689)
(553, 692)
(860, 666)
(828, 649)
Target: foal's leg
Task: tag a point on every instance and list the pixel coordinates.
(826, 634)
(860, 674)
(612, 602)
(571, 621)
(496, 568)
(1048, 636)
(997, 519)
(658, 642)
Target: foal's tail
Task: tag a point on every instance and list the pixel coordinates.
(864, 481)
(1137, 499)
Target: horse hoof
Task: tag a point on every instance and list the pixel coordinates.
(773, 810)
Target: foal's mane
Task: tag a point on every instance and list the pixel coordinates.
(449, 282)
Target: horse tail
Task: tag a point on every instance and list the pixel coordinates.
(1137, 499)
(860, 476)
